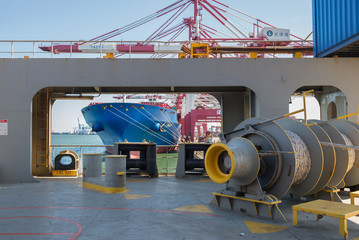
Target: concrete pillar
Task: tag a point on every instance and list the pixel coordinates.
(232, 110)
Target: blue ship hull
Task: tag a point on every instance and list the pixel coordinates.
(115, 122)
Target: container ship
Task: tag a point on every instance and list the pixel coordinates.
(133, 122)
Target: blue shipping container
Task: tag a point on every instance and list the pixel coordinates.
(336, 28)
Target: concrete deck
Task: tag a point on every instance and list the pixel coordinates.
(163, 208)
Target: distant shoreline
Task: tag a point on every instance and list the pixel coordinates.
(68, 133)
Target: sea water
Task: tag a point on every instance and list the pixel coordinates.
(165, 162)
(83, 140)
(77, 140)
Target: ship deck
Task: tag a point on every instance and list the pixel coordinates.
(159, 208)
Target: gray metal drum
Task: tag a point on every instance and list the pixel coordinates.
(115, 170)
(92, 165)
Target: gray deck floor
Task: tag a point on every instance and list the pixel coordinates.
(59, 208)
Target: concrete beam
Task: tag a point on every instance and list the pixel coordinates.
(272, 80)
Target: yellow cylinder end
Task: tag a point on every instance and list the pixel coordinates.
(211, 163)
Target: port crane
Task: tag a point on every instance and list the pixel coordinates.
(233, 41)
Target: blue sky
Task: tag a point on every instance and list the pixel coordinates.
(79, 19)
(83, 20)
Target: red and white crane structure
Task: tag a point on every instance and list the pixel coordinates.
(232, 40)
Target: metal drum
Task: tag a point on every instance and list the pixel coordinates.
(92, 165)
(115, 171)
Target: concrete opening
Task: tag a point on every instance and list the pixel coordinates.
(202, 125)
(332, 111)
(325, 103)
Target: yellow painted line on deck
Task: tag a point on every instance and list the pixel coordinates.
(135, 196)
(256, 227)
(355, 238)
(204, 180)
(136, 180)
(194, 208)
(103, 189)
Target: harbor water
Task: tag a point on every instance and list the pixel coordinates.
(166, 162)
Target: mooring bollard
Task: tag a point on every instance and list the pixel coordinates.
(191, 158)
(92, 165)
(142, 162)
(115, 171)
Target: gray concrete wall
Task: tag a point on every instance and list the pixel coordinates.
(272, 80)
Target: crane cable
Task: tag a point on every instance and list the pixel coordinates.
(138, 23)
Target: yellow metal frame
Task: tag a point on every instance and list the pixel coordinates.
(304, 109)
(253, 55)
(200, 46)
(109, 55)
(342, 117)
(298, 55)
(327, 208)
(273, 202)
(353, 195)
(182, 55)
(330, 191)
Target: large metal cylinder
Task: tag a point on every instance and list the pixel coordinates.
(115, 169)
(286, 155)
(92, 165)
(238, 160)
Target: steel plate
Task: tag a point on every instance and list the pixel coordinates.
(352, 132)
(329, 159)
(342, 161)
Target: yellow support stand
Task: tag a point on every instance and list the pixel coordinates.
(327, 208)
(273, 202)
(199, 50)
(330, 191)
(353, 195)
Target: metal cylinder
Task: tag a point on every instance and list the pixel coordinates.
(115, 170)
(238, 159)
(92, 165)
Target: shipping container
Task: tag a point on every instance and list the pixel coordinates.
(336, 28)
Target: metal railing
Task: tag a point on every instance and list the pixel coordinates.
(166, 161)
(30, 48)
